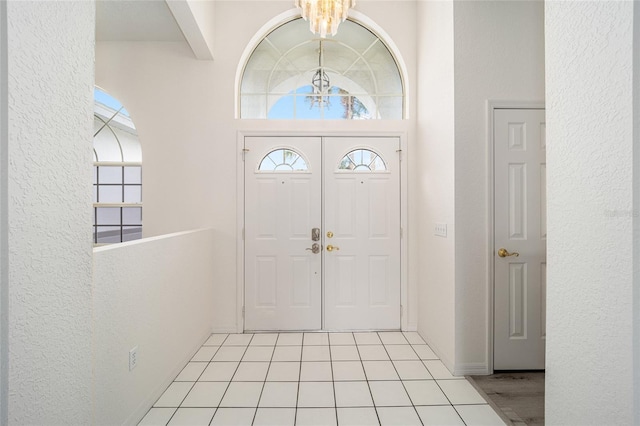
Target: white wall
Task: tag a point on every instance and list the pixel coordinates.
(499, 55)
(590, 126)
(50, 97)
(155, 294)
(4, 218)
(183, 110)
(432, 164)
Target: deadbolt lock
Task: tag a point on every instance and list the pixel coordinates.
(329, 234)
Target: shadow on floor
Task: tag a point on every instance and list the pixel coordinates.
(517, 396)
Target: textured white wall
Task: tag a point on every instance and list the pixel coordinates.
(499, 55)
(590, 121)
(4, 240)
(184, 113)
(156, 294)
(433, 174)
(50, 98)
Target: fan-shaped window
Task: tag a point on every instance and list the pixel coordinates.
(117, 178)
(283, 160)
(362, 160)
(293, 74)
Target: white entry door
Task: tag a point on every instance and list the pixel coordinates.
(322, 233)
(520, 228)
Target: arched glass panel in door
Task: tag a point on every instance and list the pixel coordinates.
(362, 160)
(283, 160)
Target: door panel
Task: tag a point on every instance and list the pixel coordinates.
(357, 284)
(362, 274)
(520, 227)
(282, 277)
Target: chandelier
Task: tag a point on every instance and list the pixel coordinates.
(320, 83)
(324, 15)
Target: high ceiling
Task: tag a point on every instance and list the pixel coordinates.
(136, 20)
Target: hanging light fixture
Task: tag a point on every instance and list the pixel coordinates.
(324, 15)
(320, 82)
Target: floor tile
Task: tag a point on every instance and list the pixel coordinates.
(215, 340)
(287, 353)
(205, 353)
(401, 352)
(229, 353)
(479, 415)
(439, 415)
(316, 417)
(219, 372)
(344, 353)
(238, 340)
(312, 371)
(380, 370)
(400, 416)
(284, 372)
(264, 339)
(424, 352)
(373, 353)
(438, 370)
(290, 339)
(157, 417)
(316, 339)
(362, 416)
(370, 338)
(279, 394)
(341, 339)
(192, 416)
(258, 353)
(412, 370)
(316, 353)
(316, 394)
(348, 370)
(425, 392)
(392, 338)
(461, 392)
(191, 372)
(251, 372)
(389, 394)
(205, 394)
(413, 338)
(233, 417)
(242, 394)
(353, 394)
(275, 417)
(174, 394)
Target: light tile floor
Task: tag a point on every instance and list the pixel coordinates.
(384, 378)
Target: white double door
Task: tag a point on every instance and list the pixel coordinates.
(322, 233)
(520, 226)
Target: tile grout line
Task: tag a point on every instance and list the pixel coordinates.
(375, 408)
(264, 383)
(295, 417)
(333, 383)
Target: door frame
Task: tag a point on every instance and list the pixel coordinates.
(240, 210)
(491, 107)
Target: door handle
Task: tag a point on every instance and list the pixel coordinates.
(315, 248)
(332, 248)
(504, 253)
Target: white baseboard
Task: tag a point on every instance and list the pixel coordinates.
(139, 413)
(472, 369)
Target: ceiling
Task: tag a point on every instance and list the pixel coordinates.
(136, 20)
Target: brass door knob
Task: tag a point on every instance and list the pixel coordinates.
(332, 248)
(504, 253)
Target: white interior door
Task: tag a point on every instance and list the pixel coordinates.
(520, 239)
(362, 233)
(356, 263)
(282, 206)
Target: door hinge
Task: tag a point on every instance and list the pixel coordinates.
(244, 152)
(243, 312)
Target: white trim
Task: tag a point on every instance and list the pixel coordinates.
(472, 369)
(409, 319)
(491, 106)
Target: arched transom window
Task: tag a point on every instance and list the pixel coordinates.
(294, 74)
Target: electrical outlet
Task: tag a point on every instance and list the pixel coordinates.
(440, 230)
(133, 358)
